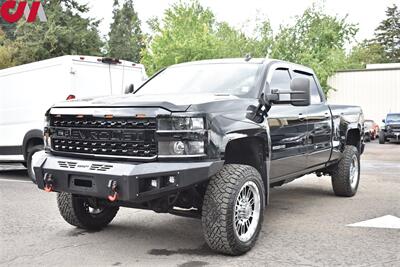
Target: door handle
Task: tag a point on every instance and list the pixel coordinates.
(301, 116)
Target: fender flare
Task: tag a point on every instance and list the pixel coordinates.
(231, 137)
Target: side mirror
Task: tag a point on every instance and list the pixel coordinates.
(298, 95)
(384, 121)
(130, 89)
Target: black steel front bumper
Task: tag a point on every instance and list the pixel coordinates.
(135, 181)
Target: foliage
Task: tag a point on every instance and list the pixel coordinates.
(364, 53)
(187, 34)
(125, 37)
(316, 40)
(66, 32)
(387, 35)
(384, 47)
(6, 52)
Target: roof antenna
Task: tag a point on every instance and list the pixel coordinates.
(247, 57)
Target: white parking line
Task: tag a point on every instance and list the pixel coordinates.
(387, 222)
(14, 181)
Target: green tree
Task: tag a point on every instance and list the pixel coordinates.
(316, 40)
(387, 35)
(232, 42)
(67, 31)
(364, 53)
(186, 34)
(125, 37)
(6, 51)
(190, 32)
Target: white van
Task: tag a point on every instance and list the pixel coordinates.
(28, 91)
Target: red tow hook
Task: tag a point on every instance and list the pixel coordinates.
(48, 183)
(113, 194)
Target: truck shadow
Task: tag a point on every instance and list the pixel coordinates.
(167, 235)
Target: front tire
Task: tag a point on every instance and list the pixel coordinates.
(382, 138)
(233, 209)
(79, 212)
(346, 173)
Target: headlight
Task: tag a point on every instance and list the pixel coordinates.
(182, 136)
(180, 124)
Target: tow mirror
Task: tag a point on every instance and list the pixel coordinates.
(130, 89)
(298, 95)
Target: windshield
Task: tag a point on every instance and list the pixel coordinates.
(393, 118)
(235, 79)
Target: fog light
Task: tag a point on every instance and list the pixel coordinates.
(171, 179)
(179, 148)
(154, 183)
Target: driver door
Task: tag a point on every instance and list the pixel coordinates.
(288, 129)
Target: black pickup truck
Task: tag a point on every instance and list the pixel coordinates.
(204, 139)
(391, 129)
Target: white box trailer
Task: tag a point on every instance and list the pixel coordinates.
(28, 91)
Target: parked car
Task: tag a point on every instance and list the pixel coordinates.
(391, 129)
(28, 90)
(203, 139)
(371, 130)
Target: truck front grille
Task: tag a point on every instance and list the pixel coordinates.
(122, 137)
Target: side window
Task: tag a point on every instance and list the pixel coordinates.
(315, 95)
(280, 79)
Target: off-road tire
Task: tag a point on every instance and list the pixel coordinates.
(341, 175)
(31, 151)
(219, 204)
(72, 209)
(382, 138)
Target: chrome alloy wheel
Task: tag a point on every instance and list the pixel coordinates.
(247, 211)
(354, 172)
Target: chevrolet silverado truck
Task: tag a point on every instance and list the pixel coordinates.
(391, 129)
(205, 139)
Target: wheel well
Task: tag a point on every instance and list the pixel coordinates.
(32, 138)
(354, 138)
(248, 151)
(31, 143)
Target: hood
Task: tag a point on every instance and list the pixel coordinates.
(171, 102)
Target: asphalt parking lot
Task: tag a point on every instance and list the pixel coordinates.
(304, 225)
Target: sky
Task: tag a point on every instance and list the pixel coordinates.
(366, 13)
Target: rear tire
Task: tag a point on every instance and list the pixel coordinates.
(233, 209)
(31, 152)
(346, 173)
(382, 138)
(77, 211)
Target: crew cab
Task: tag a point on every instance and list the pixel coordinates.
(203, 139)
